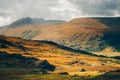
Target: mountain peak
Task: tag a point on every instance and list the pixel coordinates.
(111, 22)
(88, 22)
(21, 22)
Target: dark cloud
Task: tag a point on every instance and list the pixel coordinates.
(11, 10)
(97, 7)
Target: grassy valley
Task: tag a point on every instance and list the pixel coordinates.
(40, 60)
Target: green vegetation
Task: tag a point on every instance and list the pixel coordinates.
(112, 75)
(25, 33)
(32, 35)
(29, 34)
(106, 76)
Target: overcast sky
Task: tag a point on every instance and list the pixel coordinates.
(11, 10)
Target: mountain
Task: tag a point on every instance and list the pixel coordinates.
(112, 22)
(31, 21)
(89, 34)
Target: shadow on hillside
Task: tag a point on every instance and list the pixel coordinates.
(112, 38)
(70, 49)
(19, 61)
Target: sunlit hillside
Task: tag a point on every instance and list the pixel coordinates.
(65, 59)
(89, 34)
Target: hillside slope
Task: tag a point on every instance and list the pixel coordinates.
(14, 45)
(89, 34)
(22, 53)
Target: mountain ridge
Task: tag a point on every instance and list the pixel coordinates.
(88, 34)
(31, 21)
(37, 20)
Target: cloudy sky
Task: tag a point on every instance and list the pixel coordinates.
(11, 10)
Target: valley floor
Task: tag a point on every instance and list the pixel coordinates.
(80, 64)
(108, 76)
(68, 67)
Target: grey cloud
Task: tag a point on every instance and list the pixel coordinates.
(57, 9)
(97, 7)
(4, 13)
(24, 8)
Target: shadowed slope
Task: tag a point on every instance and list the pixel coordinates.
(19, 61)
(30, 45)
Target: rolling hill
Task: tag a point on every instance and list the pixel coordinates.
(88, 34)
(23, 56)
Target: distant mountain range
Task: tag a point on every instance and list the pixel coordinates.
(92, 34)
(32, 21)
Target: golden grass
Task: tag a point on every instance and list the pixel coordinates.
(108, 52)
(64, 60)
(62, 63)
